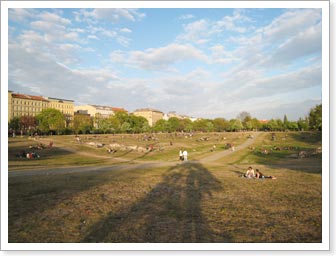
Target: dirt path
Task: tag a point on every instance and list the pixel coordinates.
(222, 154)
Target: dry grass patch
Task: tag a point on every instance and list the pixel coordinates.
(184, 203)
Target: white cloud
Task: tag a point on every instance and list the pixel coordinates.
(220, 55)
(124, 41)
(202, 31)
(230, 23)
(126, 30)
(99, 32)
(109, 33)
(243, 72)
(69, 47)
(186, 17)
(185, 86)
(113, 15)
(54, 18)
(100, 75)
(93, 37)
(297, 47)
(291, 23)
(118, 56)
(261, 87)
(55, 79)
(50, 45)
(20, 14)
(159, 58)
(197, 32)
(31, 39)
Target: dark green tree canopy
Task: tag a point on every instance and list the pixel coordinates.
(315, 118)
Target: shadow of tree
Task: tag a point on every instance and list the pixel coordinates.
(307, 137)
(171, 212)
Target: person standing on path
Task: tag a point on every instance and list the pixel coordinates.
(181, 155)
(185, 155)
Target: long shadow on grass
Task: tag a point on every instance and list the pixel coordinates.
(15, 151)
(171, 211)
(307, 137)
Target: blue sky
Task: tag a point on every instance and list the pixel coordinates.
(200, 62)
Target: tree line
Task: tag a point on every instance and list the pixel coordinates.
(52, 121)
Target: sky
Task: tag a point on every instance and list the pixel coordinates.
(200, 62)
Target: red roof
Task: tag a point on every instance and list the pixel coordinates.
(28, 97)
(263, 121)
(119, 110)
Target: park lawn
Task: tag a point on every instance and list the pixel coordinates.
(167, 146)
(67, 152)
(188, 202)
(49, 156)
(285, 149)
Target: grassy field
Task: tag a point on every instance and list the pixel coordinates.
(156, 198)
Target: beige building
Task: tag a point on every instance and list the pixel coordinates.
(98, 112)
(152, 115)
(176, 115)
(29, 105)
(65, 106)
(25, 105)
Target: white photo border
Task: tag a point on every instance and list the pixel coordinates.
(324, 246)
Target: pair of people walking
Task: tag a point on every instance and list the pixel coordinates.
(183, 155)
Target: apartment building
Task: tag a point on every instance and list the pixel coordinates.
(65, 106)
(152, 115)
(98, 112)
(25, 105)
(29, 105)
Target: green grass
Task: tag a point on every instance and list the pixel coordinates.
(67, 152)
(184, 202)
(284, 149)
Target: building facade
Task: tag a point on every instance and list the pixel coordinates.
(98, 112)
(152, 115)
(29, 105)
(65, 106)
(25, 105)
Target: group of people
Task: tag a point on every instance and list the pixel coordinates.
(183, 155)
(250, 173)
(28, 155)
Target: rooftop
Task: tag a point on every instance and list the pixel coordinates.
(60, 100)
(147, 110)
(28, 97)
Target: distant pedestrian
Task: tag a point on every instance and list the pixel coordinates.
(181, 155)
(185, 155)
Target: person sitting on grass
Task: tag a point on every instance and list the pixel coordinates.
(259, 175)
(249, 173)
